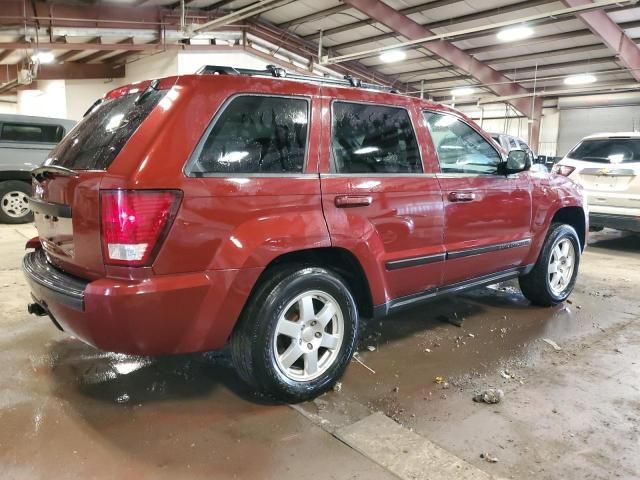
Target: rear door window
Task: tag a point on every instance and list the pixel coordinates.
(373, 139)
(607, 150)
(96, 141)
(256, 134)
(30, 133)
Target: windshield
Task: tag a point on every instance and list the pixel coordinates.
(607, 150)
(96, 141)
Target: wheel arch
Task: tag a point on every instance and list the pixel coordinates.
(22, 175)
(575, 217)
(340, 260)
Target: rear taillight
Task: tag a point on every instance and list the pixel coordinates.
(565, 170)
(134, 223)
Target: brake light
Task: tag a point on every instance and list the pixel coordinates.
(134, 223)
(564, 170)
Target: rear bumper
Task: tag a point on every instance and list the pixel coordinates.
(618, 222)
(160, 315)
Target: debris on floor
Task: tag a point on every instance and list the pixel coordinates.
(321, 404)
(371, 348)
(337, 387)
(452, 319)
(489, 458)
(439, 380)
(356, 357)
(555, 346)
(490, 396)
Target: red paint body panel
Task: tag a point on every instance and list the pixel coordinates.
(499, 213)
(229, 228)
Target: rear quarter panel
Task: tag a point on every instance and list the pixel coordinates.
(231, 221)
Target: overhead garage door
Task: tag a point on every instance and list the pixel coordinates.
(577, 123)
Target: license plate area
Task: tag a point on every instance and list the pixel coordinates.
(55, 227)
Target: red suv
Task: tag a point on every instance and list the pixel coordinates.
(271, 211)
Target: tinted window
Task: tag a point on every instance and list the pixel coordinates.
(257, 134)
(96, 141)
(373, 139)
(460, 148)
(610, 150)
(30, 133)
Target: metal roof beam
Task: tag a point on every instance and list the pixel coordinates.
(408, 28)
(65, 71)
(483, 14)
(314, 16)
(446, 23)
(612, 35)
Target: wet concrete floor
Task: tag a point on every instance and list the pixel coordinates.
(68, 411)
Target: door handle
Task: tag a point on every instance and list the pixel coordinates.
(462, 196)
(348, 201)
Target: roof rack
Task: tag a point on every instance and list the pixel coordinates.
(279, 72)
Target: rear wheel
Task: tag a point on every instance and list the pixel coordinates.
(297, 334)
(554, 275)
(14, 202)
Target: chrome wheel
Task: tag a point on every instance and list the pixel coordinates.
(15, 204)
(561, 266)
(308, 336)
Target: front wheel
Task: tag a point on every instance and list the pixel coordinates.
(297, 334)
(554, 275)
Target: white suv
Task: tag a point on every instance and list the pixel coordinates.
(607, 165)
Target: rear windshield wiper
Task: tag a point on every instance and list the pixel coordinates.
(153, 87)
(48, 171)
(93, 106)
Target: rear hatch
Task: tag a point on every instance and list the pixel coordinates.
(609, 168)
(66, 189)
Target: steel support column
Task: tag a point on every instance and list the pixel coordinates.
(403, 25)
(612, 35)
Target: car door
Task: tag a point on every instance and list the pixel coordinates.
(488, 214)
(380, 200)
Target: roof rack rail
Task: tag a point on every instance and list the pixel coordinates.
(279, 72)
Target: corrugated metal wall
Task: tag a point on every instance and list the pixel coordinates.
(577, 123)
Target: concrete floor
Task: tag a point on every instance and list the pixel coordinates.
(68, 411)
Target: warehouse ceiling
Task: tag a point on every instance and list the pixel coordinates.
(93, 39)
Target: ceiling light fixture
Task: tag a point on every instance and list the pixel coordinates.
(391, 56)
(580, 79)
(513, 34)
(462, 91)
(43, 57)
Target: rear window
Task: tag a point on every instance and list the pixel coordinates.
(30, 133)
(607, 150)
(96, 141)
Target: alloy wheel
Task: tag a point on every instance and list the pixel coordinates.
(308, 336)
(561, 265)
(15, 204)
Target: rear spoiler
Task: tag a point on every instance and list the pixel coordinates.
(47, 171)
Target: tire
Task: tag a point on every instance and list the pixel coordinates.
(544, 287)
(261, 352)
(13, 208)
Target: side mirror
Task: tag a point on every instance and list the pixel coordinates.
(517, 161)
